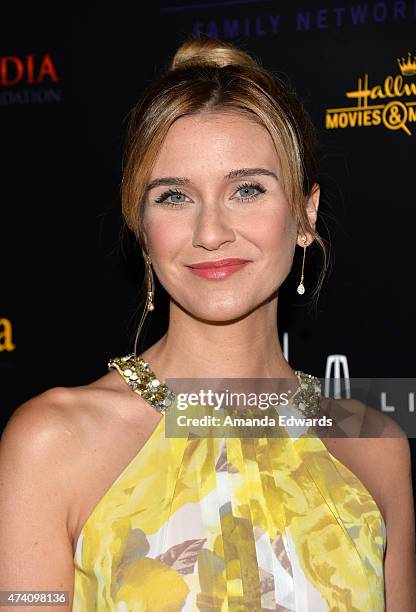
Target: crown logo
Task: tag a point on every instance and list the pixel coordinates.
(407, 66)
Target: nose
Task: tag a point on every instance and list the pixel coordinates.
(212, 228)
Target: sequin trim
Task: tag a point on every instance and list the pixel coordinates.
(142, 380)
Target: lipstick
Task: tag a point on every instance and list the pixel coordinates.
(218, 269)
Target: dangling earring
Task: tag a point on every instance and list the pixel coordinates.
(149, 299)
(301, 286)
(150, 284)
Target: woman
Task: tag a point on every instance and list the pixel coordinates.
(98, 501)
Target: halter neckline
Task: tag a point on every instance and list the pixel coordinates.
(141, 379)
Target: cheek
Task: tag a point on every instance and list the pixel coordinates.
(275, 233)
(163, 236)
(159, 243)
(167, 237)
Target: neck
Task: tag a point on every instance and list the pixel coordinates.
(245, 348)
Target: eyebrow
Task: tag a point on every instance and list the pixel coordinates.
(241, 172)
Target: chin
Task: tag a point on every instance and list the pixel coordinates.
(218, 311)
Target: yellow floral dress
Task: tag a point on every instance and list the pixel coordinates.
(231, 524)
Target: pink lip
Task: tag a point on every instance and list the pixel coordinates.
(216, 270)
(219, 263)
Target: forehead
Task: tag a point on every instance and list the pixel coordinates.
(212, 141)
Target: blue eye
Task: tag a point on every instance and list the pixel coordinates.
(177, 195)
(246, 187)
(174, 193)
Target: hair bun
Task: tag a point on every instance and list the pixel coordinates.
(210, 51)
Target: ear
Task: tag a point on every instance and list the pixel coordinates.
(312, 212)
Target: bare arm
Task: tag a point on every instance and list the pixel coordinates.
(400, 558)
(387, 460)
(35, 453)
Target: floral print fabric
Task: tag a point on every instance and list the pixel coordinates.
(232, 524)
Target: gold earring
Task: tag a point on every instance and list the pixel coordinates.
(301, 286)
(150, 284)
(149, 299)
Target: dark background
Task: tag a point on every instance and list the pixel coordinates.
(70, 281)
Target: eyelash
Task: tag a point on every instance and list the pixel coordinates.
(161, 199)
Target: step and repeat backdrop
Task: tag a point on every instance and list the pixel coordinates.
(71, 278)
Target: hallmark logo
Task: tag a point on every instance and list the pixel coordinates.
(394, 114)
(407, 67)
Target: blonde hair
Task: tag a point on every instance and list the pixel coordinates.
(210, 75)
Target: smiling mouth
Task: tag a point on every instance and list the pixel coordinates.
(218, 270)
(219, 263)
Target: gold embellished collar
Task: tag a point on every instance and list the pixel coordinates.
(143, 381)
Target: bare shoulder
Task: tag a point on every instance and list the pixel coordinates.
(76, 441)
(51, 439)
(374, 447)
(381, 458)
(46, 466)
(59, 418)
(39, 427)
